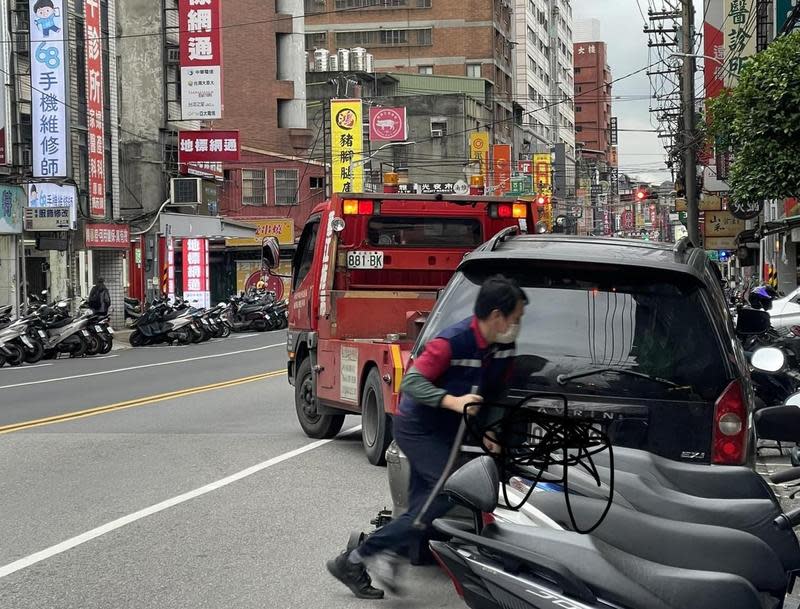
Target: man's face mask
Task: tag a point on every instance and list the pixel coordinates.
(509, 335)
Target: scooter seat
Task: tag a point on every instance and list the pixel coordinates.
(628, 580)
(59, 323)
(718, 481)
(647, 496)
(676, 544)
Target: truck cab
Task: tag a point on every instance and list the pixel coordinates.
(366, 273)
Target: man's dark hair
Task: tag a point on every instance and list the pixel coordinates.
(42, 4)
(501, 293)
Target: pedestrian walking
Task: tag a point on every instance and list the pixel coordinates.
(99, 298)
(464, 362)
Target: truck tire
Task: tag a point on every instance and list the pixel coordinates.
(319, 426)
(376, 426)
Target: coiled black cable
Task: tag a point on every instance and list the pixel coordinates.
(567, 441)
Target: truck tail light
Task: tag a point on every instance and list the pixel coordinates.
(354, 207)
(729, 437)
(508, 210)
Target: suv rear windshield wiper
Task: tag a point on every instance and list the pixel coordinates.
(562, 379)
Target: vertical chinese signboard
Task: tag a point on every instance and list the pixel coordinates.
(95, 116)
(479, 151)
(714, 47)
(502, 168)
(48, 89)
(347, 135)
(201, 59)
(740, 36)
(195, 272)
(542, 173)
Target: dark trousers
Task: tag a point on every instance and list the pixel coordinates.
(427, 455)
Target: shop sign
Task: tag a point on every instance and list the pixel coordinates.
(479, 152)
(195, 272)
(112, 236)
(542, 173)
(347, 144)
(48, 31)
(388, 124)
(12, 204)
(280, 228)
(722, 224)
(200, 45)
(95, 112)
(49, 205)
(207, 146)
(502, 168)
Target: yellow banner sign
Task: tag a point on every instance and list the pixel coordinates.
(280, 228)
(542, 173)
(479, 151)
(347, 145)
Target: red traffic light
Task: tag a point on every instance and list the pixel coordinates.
(640, 195)
(541, 200)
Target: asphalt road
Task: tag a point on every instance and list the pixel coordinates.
(183, 481)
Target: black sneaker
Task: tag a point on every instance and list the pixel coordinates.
(354, 576)
(386, 568)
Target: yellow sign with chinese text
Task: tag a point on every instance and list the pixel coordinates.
(280, 228)
(542, 174)
(479, 151)
(347, 145)
(722, 224)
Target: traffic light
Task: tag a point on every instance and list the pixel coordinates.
(642, 194)
(542, 200)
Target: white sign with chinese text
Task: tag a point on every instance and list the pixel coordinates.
(48, 89)
(201, 93)
(46, 194)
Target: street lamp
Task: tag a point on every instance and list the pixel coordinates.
(709, 57)
(355, 163)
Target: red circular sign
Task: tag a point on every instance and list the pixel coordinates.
(273, 283)
(387, 124)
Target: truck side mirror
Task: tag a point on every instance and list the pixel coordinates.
(752, 321)
(270, 252)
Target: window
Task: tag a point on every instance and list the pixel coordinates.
(424, 232)
(474, 70)
(438, 129)
(385, 38)
(426, 69)
(304, 255)
(254, 187)
(578, 129)
(286, 186)
(314, 6)
(317, 40)
(316, 183)
(577, 108)
(577, 70)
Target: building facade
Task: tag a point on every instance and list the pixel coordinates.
(593, 97)
(442, 37)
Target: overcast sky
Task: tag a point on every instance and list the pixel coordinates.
(640, 154)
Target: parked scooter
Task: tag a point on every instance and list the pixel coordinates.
(249, 313)
(64, 334)
(161, 323)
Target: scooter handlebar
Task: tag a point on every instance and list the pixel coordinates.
(787, 475)
(787, 521)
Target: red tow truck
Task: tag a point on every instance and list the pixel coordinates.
(366, 273)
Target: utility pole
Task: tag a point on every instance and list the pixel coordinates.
(689, 135)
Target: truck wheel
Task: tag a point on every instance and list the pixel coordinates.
(314, 425)
(376, 427)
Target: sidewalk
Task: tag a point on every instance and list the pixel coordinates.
(121, 337)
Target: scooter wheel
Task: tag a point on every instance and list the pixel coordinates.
(35, 353)
(93, 345)
(183, 336)
(225, 331)
(355, 540)
(136, 339)
(79, 350)
(108, 342)
(16, 355)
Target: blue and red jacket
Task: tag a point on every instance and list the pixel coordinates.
(459, 361)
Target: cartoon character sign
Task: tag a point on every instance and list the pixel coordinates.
(46, 14)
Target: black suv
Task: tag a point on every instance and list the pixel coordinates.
(633, 333)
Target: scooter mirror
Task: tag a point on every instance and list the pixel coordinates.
(768, 359)
(793, 400)
(778, 423)
(751, 321)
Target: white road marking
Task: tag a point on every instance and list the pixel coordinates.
(154, 365)
(73, 542)
(244, 336)
(27, 367)
(104, 356)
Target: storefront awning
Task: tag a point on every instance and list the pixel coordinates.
(784, 225)
(210, 227)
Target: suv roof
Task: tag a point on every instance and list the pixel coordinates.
(681, 257)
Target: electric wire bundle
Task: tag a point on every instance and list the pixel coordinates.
(562, 440)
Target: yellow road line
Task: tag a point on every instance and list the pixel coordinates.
(143, 401)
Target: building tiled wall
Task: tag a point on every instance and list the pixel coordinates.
(108, 265)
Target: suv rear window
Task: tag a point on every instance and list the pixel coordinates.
(406, 231)
(582, 318)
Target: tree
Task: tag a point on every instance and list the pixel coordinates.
(759, 120)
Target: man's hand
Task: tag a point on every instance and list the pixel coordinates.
(459, 404)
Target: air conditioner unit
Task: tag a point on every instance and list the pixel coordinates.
(185, 191)
(173, 55)
(437, 133)
(27, 157)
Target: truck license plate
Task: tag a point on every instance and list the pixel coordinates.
(364, 260)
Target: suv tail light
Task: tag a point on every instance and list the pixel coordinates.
(353, 207)
(508, 210)
(729, 437)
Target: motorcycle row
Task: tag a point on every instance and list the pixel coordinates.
(45, 331)
(162, 321)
